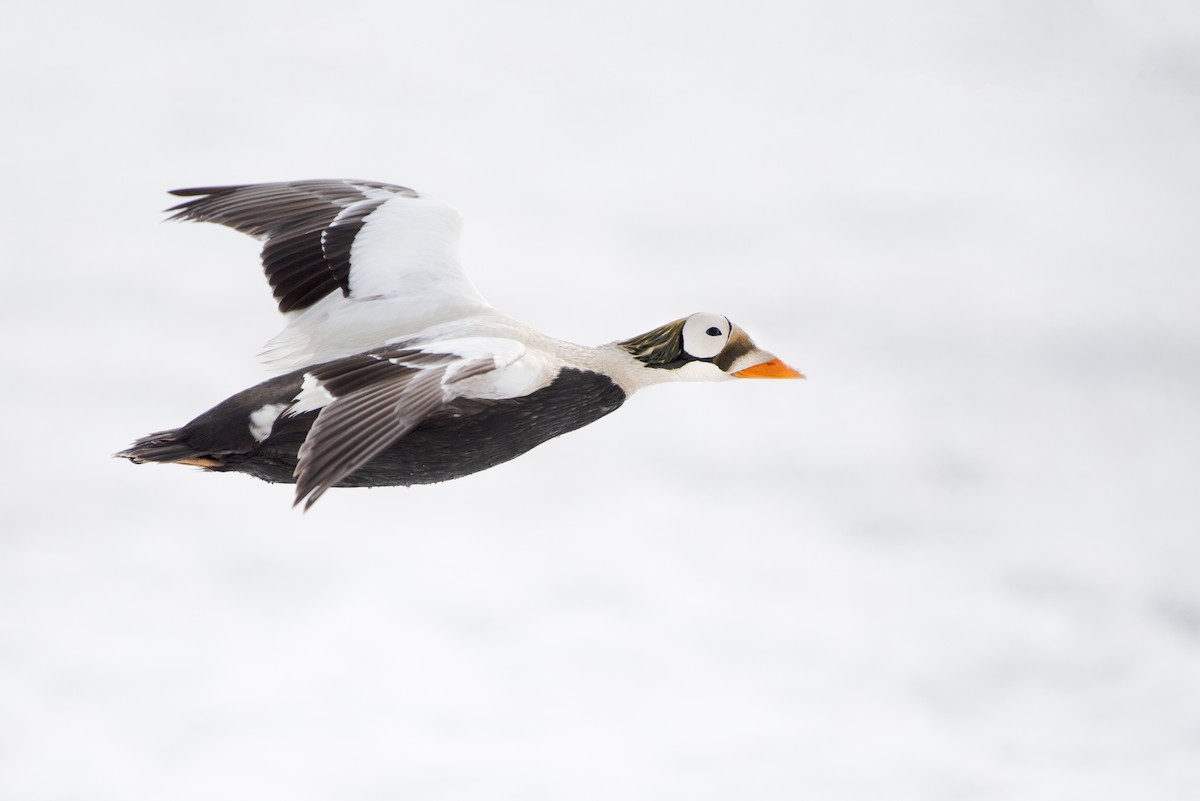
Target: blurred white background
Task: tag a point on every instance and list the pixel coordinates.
(959, 562)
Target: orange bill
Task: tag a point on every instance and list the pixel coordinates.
(772, 369)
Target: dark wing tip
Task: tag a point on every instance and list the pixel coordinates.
(308, 495)
(308, 183)
(323, 188)
(198, 195)
(205, 190)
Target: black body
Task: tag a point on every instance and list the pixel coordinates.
(463, 438)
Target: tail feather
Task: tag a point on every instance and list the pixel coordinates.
(170, 447)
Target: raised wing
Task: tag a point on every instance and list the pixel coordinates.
(351, 263)
(370, 400)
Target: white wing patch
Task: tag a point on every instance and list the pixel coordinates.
(502, 351)
(516, 372)
(312, 396)
(408, 244)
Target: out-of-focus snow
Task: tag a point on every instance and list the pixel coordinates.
(959, 562)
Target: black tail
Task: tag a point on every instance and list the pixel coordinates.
(169, 446)
(226, 437)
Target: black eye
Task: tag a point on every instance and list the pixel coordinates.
(713, 332)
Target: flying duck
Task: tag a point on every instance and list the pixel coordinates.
(398, 371)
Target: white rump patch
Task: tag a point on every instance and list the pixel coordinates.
(263, 420)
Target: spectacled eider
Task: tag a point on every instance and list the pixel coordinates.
(401, 373)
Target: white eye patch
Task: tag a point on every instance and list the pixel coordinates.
(705, 334)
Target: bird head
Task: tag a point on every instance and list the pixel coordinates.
(705, 347)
